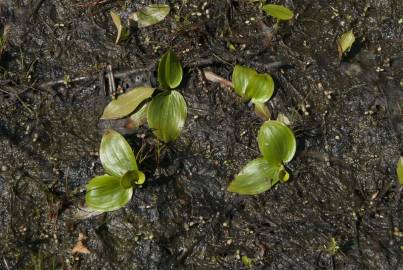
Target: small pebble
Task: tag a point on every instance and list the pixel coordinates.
(4, 168)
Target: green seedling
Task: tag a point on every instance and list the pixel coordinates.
(165, 112)
(114, 190)
(123, 32)
(279, 12)
(250, 85)
(278, 145)
(399, 170)
(345, 42)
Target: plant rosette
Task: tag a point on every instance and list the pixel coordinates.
(114, 190)
(165, 112)
(277, 144)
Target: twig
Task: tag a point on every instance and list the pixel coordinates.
(111, 80)
(212, 77)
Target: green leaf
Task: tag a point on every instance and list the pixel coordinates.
(260, 88)
(256, 177)
(122, 31)
(127, 103)
(278, 11)
(276, 142)
(399, 170)
(150, 15)
(345, 42)
(241, 78)
(166, 115)
(105, 193)
(169, 71)
(116, 154)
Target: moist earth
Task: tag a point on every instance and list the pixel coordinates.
(346, 114)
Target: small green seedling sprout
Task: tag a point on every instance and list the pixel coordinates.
(114, 190)
(166, 112)
(345, 42)
(399, 171)
(247, 262)
(253, 86)
(279, 12)
(278, 145)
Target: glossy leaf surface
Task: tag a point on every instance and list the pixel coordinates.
(345, 42)
(169, 71)
(399, 170)
(127, 103)
(241, 78)
(116, 154)
(260, 88)
(166, 115)
(278, 11)
(262, 111)
(105, 193)
(276, 142)
(256, 177)
(150, 15)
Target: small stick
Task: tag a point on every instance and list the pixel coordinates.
(111, 80)
(212, 77)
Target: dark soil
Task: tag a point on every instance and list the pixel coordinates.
(346, 115)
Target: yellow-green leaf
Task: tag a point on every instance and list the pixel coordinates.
(345, 42)
(150, 15)
(276, 142)
(241, 78)
(116, 154)
(169, 71)
(260, 88)
(256, 177)
(278, 11)
(127, 103)
(105, 193)
(399, 170)
(166, 115)
(122, 32)
(132, 178)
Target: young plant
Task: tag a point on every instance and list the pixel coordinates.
(253, 86)
(166, 112)
(279, 12)
(114, 190)
(278, 145)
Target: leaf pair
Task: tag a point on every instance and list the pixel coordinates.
(278, 145)
(114, 190)
(166, 112)
(251, 85)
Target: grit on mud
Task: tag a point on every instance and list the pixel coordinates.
(346, 115)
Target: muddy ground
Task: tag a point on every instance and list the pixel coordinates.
(346, 115)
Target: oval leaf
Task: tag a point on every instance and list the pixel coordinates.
(150, 15)
(127, 103)
(166, 115)
(116, 154)
(345, 42)
(260, 88)
(399, 170)
(169, 71)
(105, 193)
(241, 78)
(278, 11)
(276, 142)
(256, 177)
